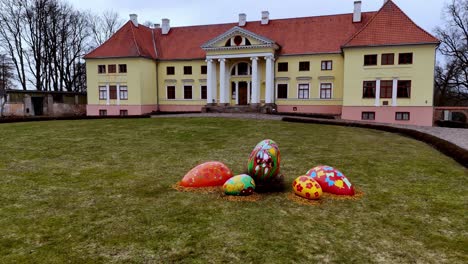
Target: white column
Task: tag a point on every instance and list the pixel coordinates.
(215, 83)
(269, 84)
(394, 91)
(209, 81)
(248, 93)
(377, 92)
(118, 94)
(237, 92)
(222, 81)
(255, 86)
(107, 94)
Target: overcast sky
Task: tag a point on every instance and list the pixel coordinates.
(426, 13)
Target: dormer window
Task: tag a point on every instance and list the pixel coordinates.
(238, 41)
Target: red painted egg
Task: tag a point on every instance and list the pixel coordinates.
(331, 180)
(208, 174)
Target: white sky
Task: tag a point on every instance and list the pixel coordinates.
(426, 13)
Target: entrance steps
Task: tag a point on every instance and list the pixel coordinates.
(266, 109)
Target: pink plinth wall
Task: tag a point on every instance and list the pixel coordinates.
(311, 109)
(114, 110)
(419, 115)
(180, 108)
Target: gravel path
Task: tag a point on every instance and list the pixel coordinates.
(457, 136)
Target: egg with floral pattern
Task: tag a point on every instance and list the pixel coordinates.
(241, 185)
(332, 180)
(307, 187)
(208, 174)
(264, 161)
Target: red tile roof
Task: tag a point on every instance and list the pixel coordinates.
(308, 35)
(390, 26)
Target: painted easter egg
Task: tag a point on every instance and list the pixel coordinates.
(307, 187)
(208, 174)
(264, 161)
(242, 185)
(331, 180)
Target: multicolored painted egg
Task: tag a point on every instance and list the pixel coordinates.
(242, 185)
(264, 161)
(331, 180)
(307, 187)
(208, 174)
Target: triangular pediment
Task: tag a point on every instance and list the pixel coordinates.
(238, 37)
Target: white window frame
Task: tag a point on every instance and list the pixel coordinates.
(120, 92)
(203, 84)
(298, 94)
(104, 89)
(236, 70)
(287, 90)
(183, 91)
(320, 90)
(167, 94)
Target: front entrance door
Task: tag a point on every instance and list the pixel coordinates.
(242, 93)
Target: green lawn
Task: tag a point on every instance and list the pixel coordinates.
(100, 191)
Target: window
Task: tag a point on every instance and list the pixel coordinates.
(187, 92)
(369, 89)
(405, 58)
(112, 68)
(170, 92)
(122, 68)
(303, 91)
(404, 89)
(327, 65)
(368, 116)
(102, 93)
(123, 93)
(112, 92)
(204, 69)
(386, 88)
(304, 66)
(282, 66)
(203, 91)
(57, 98)
(282, 91)
(325, 91)
(388, 59)
(101, 69)
(242, 69)
(170, 70)
(123, 112)
(188, 70)
(370, 60)
(233, 91)
(402, 116)
(102, 112)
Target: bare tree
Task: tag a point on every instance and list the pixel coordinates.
(104, 26)
(452, 80)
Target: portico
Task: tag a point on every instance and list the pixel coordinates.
(226, 77)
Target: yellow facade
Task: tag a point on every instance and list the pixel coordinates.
(314, 77)
(420, 73)
(140, 79)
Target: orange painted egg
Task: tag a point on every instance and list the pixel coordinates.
(307, 187)
(332, 180)
(208, 174)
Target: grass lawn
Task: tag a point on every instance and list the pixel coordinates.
(100, 191)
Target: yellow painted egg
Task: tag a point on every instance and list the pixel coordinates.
(307, 187)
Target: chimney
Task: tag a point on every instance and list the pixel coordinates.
(134, 19)
(242, 19)
(357, 12)
(265, 17)
(165, 26)
(157, 26)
